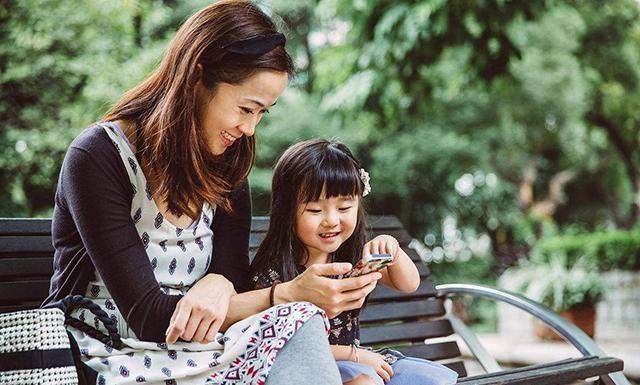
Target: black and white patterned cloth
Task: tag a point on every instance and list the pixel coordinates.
(179, 258)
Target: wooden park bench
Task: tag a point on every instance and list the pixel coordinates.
(413, 323)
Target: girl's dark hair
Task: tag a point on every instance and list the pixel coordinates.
(166, 110)
(302, 174)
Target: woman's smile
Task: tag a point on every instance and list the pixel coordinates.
(227, 139)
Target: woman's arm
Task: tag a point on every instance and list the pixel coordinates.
(96, 197)
(231, 234)
(402, 275)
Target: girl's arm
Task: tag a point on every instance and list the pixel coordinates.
(402, 275)
(343, 353)
(365, 357)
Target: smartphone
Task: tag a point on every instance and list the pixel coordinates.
(369, 263)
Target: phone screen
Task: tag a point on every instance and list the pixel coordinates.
(370, 263)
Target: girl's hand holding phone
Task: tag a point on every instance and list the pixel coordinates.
(377, 362)
(382, 244)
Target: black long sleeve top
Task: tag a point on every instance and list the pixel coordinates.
(92, 230)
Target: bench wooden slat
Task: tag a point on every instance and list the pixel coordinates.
(401, 310)
(381, 293)
(434, 351)
(401, 235)
(16, 292)
(25, 226)
(415, 257)
(408, 331)
(26, 244)
(18, 307)
(457, 366)
(384, 222)
(259, 224)
(561, 372)
(26, 267)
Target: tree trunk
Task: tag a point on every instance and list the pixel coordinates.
(626, 153)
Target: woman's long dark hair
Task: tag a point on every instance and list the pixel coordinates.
(166, 109)
(303, 173)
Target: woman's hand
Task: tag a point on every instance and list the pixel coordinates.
(200, 313)
(382, 244)
(377, 362)
(332, 295)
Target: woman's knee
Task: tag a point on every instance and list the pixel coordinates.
(362, 379)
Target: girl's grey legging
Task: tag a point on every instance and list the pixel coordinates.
(306, 358)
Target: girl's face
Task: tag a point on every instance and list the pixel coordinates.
(322, 226)
(235, 109)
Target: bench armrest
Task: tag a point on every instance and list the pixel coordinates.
(570, 332)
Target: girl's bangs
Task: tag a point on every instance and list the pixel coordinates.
(338, 176)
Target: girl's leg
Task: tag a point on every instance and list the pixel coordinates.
(362, 379)
(410, 371)
(306, 358)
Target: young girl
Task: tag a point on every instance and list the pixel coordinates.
(317, 218)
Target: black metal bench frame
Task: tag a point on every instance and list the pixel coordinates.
(409, 322)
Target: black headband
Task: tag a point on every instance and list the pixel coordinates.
(256, 45)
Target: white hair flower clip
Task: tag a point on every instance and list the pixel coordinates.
(364, 176)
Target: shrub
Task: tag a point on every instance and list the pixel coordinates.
(607, 250)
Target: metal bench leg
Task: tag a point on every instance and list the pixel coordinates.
(489, 364)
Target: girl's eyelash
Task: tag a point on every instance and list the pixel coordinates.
(345, 208)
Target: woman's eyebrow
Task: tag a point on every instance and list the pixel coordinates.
(259, 103)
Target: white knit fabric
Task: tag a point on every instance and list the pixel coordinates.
(39, 329)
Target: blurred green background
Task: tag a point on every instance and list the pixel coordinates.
(495, 130)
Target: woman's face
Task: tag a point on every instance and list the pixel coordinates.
(235, 109)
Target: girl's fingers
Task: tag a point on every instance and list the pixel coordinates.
(375, 248)
(387, 368)
(366, 250)
(383, 373)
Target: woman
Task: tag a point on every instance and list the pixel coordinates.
(152, 220)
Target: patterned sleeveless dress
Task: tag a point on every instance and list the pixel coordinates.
(244, 354)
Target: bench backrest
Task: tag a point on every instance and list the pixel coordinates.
(404, 321)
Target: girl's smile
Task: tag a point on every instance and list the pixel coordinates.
(323, 225)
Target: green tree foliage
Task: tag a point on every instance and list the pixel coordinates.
(540, 94)
(62, 63)
(518, 119)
